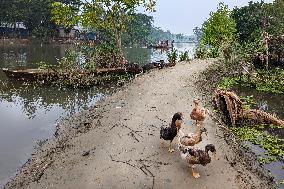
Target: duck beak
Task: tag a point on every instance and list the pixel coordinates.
(216, 157)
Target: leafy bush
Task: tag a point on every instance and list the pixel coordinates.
(262, 80)
(184, 56)
(172, 56)
(200, 52)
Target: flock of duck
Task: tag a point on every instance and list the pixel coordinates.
(186, 142)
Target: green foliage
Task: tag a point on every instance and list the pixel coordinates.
(157, 34)
(184, 56)
(257, 17)
(109, 15)
(227, 83)
(270, 81)
(248, 102)
(172, 56)
(274, 17)
(249, 21)
(267, 81)
(200, 52)
(72, 71)
(138, 29)
(43, 65)
(69, 61)
(198, 33)
(219, 28)
(65, 14)
(34, 14)
(273, 146)
(12, 11)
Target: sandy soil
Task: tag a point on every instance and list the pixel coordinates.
(116, 144)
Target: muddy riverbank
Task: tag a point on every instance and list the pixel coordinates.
(116, 143)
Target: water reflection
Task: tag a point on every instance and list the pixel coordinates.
(28, 114)
(29, 55)
(269, 102)
(274, 104)
(143, 56)
(32, 97)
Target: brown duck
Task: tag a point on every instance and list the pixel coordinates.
(196, 156)
(192, 138)
(198, 114)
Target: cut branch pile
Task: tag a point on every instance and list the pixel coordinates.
(232, 108)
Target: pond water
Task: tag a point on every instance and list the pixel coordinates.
(28, 113)
(274, 104)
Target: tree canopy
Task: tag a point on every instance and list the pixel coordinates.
(258, 17)
(138, 28)
(109, 15)
(34, 14)
(219, 27)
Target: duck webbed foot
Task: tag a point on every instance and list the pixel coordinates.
(170, 148)
(162, 144)
(194, 173)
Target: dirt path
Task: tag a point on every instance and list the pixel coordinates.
(122, 137)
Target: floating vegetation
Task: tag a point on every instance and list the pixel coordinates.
(259, 136)
(248, 102)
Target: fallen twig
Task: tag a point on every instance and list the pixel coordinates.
(155, 154)
(152, 175)
(136, 132)
(161, 119)
(153, 161)
(118, 161)
(113, 126)
(133, 136)
(153, 126)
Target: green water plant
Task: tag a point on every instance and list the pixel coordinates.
(248, 102)
(274, 147)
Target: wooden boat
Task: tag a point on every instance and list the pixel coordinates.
(51, 75)
(103, 71)
(160, 47)
(131, 70)
(30, 74)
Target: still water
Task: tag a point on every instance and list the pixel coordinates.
(29, 113)
(274, 104)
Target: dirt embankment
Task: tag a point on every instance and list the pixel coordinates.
(116, 144)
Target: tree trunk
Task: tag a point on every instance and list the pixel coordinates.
(120, 50)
